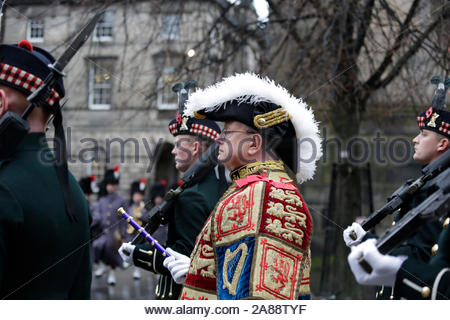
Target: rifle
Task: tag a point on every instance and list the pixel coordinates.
(405, 193)
(437, 205)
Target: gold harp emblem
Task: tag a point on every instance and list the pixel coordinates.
(232, 287)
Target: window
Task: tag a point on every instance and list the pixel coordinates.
(104, 28)
(96, 163)
(35, 31)
(95, 160)
(170, 29)
(166, 98)
(100, 84)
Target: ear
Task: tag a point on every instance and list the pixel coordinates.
(255, 145)
(3, 103)
(196, 147)
(443, 145)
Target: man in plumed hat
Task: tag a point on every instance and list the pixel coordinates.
(256, 243)
(191, 209)
(44, 218)
(114, 230)
(419, 269)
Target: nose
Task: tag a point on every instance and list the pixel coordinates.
(416, 139)
(173, 150)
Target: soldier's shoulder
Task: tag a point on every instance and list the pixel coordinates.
(11, 172)
(4, 165)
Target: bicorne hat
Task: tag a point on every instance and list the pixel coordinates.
(287, 122)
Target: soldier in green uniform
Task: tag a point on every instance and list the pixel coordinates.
(191, 209)
(411, 278)
(44, 249)
(416, 259)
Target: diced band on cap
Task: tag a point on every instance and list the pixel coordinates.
(25, 80)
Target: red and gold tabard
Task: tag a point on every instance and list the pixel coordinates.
(256, 243)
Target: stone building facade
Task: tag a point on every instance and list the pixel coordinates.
(118, 87)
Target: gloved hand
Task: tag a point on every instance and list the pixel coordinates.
(178, 265)
(126, 252)
(384, 267)
(358, 230)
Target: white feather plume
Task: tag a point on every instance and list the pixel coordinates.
(250, 88)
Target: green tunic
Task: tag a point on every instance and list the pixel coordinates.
(42, 254)
(191, 209)
(418, 247)
(418, 279)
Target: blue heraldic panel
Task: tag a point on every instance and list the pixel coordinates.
(234, 266)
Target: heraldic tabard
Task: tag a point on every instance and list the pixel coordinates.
(256, 243)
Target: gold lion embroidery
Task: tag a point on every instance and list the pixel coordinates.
(232, 286)
(288, 231)
(291, 215)
(287, 196)
(205, 265)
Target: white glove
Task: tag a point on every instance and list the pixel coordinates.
(178, 265)
(384, 267)
(126, 252)
(358, 230)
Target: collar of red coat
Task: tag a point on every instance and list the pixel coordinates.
(255, 168)
(263, 177)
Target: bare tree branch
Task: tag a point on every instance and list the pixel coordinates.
(362, 27)
(375, 78)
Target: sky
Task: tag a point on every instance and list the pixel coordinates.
(261, 8)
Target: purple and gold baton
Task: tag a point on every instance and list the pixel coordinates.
(121, 212)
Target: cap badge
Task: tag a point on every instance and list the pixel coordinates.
(184, 124)
(432, 122)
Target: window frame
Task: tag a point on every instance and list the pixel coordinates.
(104, 24)
(30, 23)
(168, 32)
(164, 90)
(92, 65)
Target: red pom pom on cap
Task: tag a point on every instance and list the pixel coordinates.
(163, 182)
(116, 172)
(25, 44)
(180, 183)
(142, 184)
